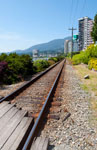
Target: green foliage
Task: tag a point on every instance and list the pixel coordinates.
(14, 68)
(94, 30)
(92, 64)
(51, 62)
(55, 59)
(58, 58)
(73, 53)
(3, 57)
(21, 65)
(40, 65)
(85, 56)
(68, 55)
(77, 59)
(18, 67)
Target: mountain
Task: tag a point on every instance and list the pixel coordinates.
(52, 46)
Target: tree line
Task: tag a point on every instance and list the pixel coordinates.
(15, 68)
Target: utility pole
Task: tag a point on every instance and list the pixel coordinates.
(72, 29)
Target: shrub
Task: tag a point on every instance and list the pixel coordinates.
(77, 59)
(3, 57)
(40, 65)
(3, 67)
(58, 58)
(92, 64)
(18, 67)
(55, 59)
(85, 56)
(51, 62)
(3, 70)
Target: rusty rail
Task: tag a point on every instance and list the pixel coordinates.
(23, 87)
(35, 127)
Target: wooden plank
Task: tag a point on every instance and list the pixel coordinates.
(5, 119)
(6, 109)
(35, 144)
(3, 104)
(6, 132)
(15, 134)
(46, 142)
(19, 142)
(40, 143)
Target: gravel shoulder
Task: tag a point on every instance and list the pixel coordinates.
(77, 132)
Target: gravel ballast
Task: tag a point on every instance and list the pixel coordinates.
(75, 133)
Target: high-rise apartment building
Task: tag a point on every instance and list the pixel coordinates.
(68, 46)
(85, 28)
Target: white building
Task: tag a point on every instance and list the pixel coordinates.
(35, 53)
(85, 28)
(68, 46)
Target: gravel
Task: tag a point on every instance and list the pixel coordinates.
(75, 133)
(32, 98)
(7, 89)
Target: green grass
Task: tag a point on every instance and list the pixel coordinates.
(90, 86)
(84, 87)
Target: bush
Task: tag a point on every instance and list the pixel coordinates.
(92, 64)
(55, 59)
(77, 59)
(58, 58)
(14, 68)
(51, 62)
(41, 65)
(3, 70)
(18, 67)
(3, 57)
(85, 56)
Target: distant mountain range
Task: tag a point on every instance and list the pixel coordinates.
(56, 45)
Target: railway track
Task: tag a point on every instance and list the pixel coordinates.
(26, 85)
(35, 99)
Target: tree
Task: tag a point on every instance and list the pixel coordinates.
(3, 68)
(94, 30)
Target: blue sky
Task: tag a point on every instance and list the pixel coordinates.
(24, 23)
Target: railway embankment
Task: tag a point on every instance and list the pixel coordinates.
(71, 124)
(78, 132)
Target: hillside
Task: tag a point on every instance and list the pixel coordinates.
(52, 46)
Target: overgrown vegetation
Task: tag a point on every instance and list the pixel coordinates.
(94, 30)
(86, 56)
(14, 68)
(93, 64)
(89, 56)
(40, 65)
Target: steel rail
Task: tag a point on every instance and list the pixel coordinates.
(33, 132)
(26, 85)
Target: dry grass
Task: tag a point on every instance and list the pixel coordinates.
(90, 85)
